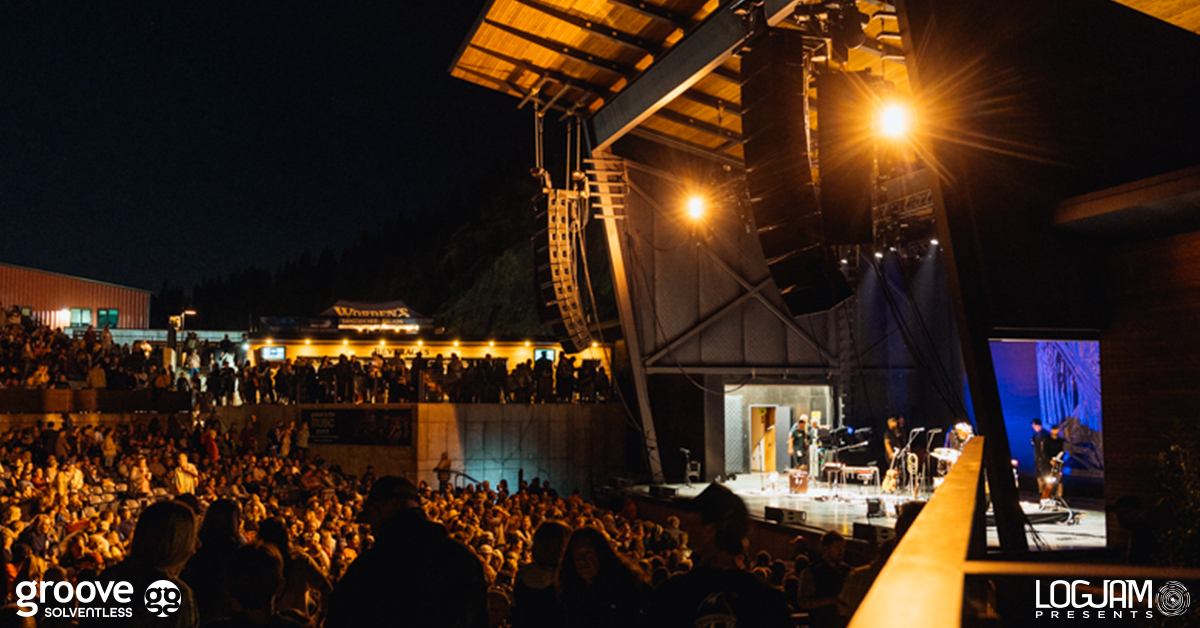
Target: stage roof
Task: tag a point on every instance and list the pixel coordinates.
(582, 53)
(579, 54)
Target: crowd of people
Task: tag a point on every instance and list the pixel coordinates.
(35, 356)
(285, 539)
(40, 357)
(379, 379)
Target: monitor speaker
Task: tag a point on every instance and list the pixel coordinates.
(784, 515)
(559, 301)
(779, 175)
(659, 491)
(873, 533)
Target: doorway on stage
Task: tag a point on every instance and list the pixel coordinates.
(759, 421)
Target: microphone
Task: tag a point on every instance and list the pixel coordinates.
(917, 429)
(935, 431)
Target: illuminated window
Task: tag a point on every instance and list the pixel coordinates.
(106, 318)
(80, 317)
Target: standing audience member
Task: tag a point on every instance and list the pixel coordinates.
(598, 589)
(821, 583)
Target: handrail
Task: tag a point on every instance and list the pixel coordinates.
(944, 546)
(934, 550)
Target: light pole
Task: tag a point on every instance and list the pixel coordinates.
(183, 317)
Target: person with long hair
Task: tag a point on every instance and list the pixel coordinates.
(220, 535)
(163, 541)
(535, 597)
(597, 588)
(301, 575)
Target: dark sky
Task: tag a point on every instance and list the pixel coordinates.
(143, 141)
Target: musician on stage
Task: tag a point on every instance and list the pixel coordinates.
(958, 436)
(896, 437)
(798, 443)
(1041, 462)
(1052, 449)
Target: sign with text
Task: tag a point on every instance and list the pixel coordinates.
(360, 426)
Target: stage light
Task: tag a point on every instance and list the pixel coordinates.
(595, 344)
(878, 255)
(420, 343)
(894, 120)
(933, 242)
(528, 344)
(383, 343)
(845, 261)
(269, 341)
(491, 343)
(849, 430)
(307, 341)
(695, 208)
(345, 342)
(456, 343)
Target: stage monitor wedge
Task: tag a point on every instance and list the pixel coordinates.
(779, 175)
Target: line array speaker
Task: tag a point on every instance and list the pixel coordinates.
(847, 155)
(779, 175)
(559, 302)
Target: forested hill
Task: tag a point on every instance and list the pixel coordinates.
(469, 265)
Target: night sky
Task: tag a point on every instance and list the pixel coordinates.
(148, 141)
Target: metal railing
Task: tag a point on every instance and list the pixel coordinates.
(938, 575)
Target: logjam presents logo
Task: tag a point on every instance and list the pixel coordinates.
(1115, 599)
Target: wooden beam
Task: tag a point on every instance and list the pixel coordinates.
(698, 54)
(699, 125)
(656, 12)
(707, 100)
(569, 51)
(581, 84)
(594, 27)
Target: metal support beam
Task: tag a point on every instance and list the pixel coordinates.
(700, 125)
(574, 53)
(688, 147)
(958, 241)
(783, 317)
(699, 53)
(702, 325)
(611, 174)
(596, 28)
(656, 12)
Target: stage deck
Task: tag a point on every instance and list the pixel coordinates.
(839, 508)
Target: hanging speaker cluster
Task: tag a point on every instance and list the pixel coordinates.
(779, 175)
(559, 301)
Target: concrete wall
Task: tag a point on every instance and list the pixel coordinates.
(572, 445)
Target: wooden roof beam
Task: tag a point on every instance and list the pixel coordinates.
(657, 13)
(578, 83)
(695, 56)
(563, 49)
(707, 100)
(594, 27)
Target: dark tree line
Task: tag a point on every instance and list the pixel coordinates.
(468, 265)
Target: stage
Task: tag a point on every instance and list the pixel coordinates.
(839, 508)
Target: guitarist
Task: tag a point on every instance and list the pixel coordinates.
(1052, 449)
(894, 442)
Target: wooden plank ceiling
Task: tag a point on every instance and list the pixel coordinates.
(579, 53)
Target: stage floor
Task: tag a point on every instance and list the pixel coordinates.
(839, 510)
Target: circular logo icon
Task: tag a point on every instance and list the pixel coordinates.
(163, 598)
(1172, 599)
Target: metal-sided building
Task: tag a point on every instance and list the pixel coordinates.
(60, 300)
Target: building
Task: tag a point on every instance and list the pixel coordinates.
(60, 300)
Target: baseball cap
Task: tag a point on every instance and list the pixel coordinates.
(718, 505)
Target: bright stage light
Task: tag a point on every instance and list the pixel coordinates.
(934, 242)
(878, 255)
(695, 208)
(894, 120)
